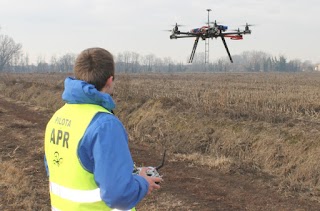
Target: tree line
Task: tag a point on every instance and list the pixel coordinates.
(12, 59)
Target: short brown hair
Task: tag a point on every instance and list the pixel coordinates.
(95, 66)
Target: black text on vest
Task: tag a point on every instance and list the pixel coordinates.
(59, 136)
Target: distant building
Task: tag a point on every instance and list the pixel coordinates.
(317, 67)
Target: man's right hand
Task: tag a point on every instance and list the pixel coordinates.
(151, 180)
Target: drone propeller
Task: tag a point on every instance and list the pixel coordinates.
(178, 25)
(216, 23)
(249, 24)
(247, 29)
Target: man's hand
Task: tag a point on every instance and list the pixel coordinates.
(151, 180)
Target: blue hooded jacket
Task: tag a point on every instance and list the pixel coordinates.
(104, 151)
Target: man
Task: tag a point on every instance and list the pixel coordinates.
(86, 147)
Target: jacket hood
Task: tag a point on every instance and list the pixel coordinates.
(81, 92)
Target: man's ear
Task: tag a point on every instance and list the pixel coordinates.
(109, 81)
(107, 85)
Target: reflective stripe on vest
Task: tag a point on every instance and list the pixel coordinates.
(83, 196)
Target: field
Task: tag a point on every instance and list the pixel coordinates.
(235, 141)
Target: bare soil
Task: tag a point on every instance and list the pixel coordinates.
(192, 187)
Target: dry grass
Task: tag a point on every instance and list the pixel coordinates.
(257, 122)
(13, 182)
(163, 201)
(204, 160)
(19, 190)
(256, 96)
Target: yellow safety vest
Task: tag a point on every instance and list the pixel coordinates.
(72, 188)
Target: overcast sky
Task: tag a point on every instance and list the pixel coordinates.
(56, 27)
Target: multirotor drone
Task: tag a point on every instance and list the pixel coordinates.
(211, 30)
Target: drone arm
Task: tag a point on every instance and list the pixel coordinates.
(225, 45)
(233, 33)
(187, 33)
(185, 36)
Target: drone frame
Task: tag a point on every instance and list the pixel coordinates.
(207, 32)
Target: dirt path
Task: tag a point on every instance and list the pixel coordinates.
(193, 188)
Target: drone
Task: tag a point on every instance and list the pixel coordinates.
(211, 30)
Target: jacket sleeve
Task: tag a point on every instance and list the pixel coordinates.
(46, 165)
(108, 157)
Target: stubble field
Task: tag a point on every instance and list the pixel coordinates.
(235, 141)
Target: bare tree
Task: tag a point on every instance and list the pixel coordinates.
(42, 65)
(135, 62)
(8, 49)
(54, 63)
(168, 64)
(149, 62)
(67, 62)
(126, 60)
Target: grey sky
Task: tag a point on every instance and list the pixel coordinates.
(47, 27)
